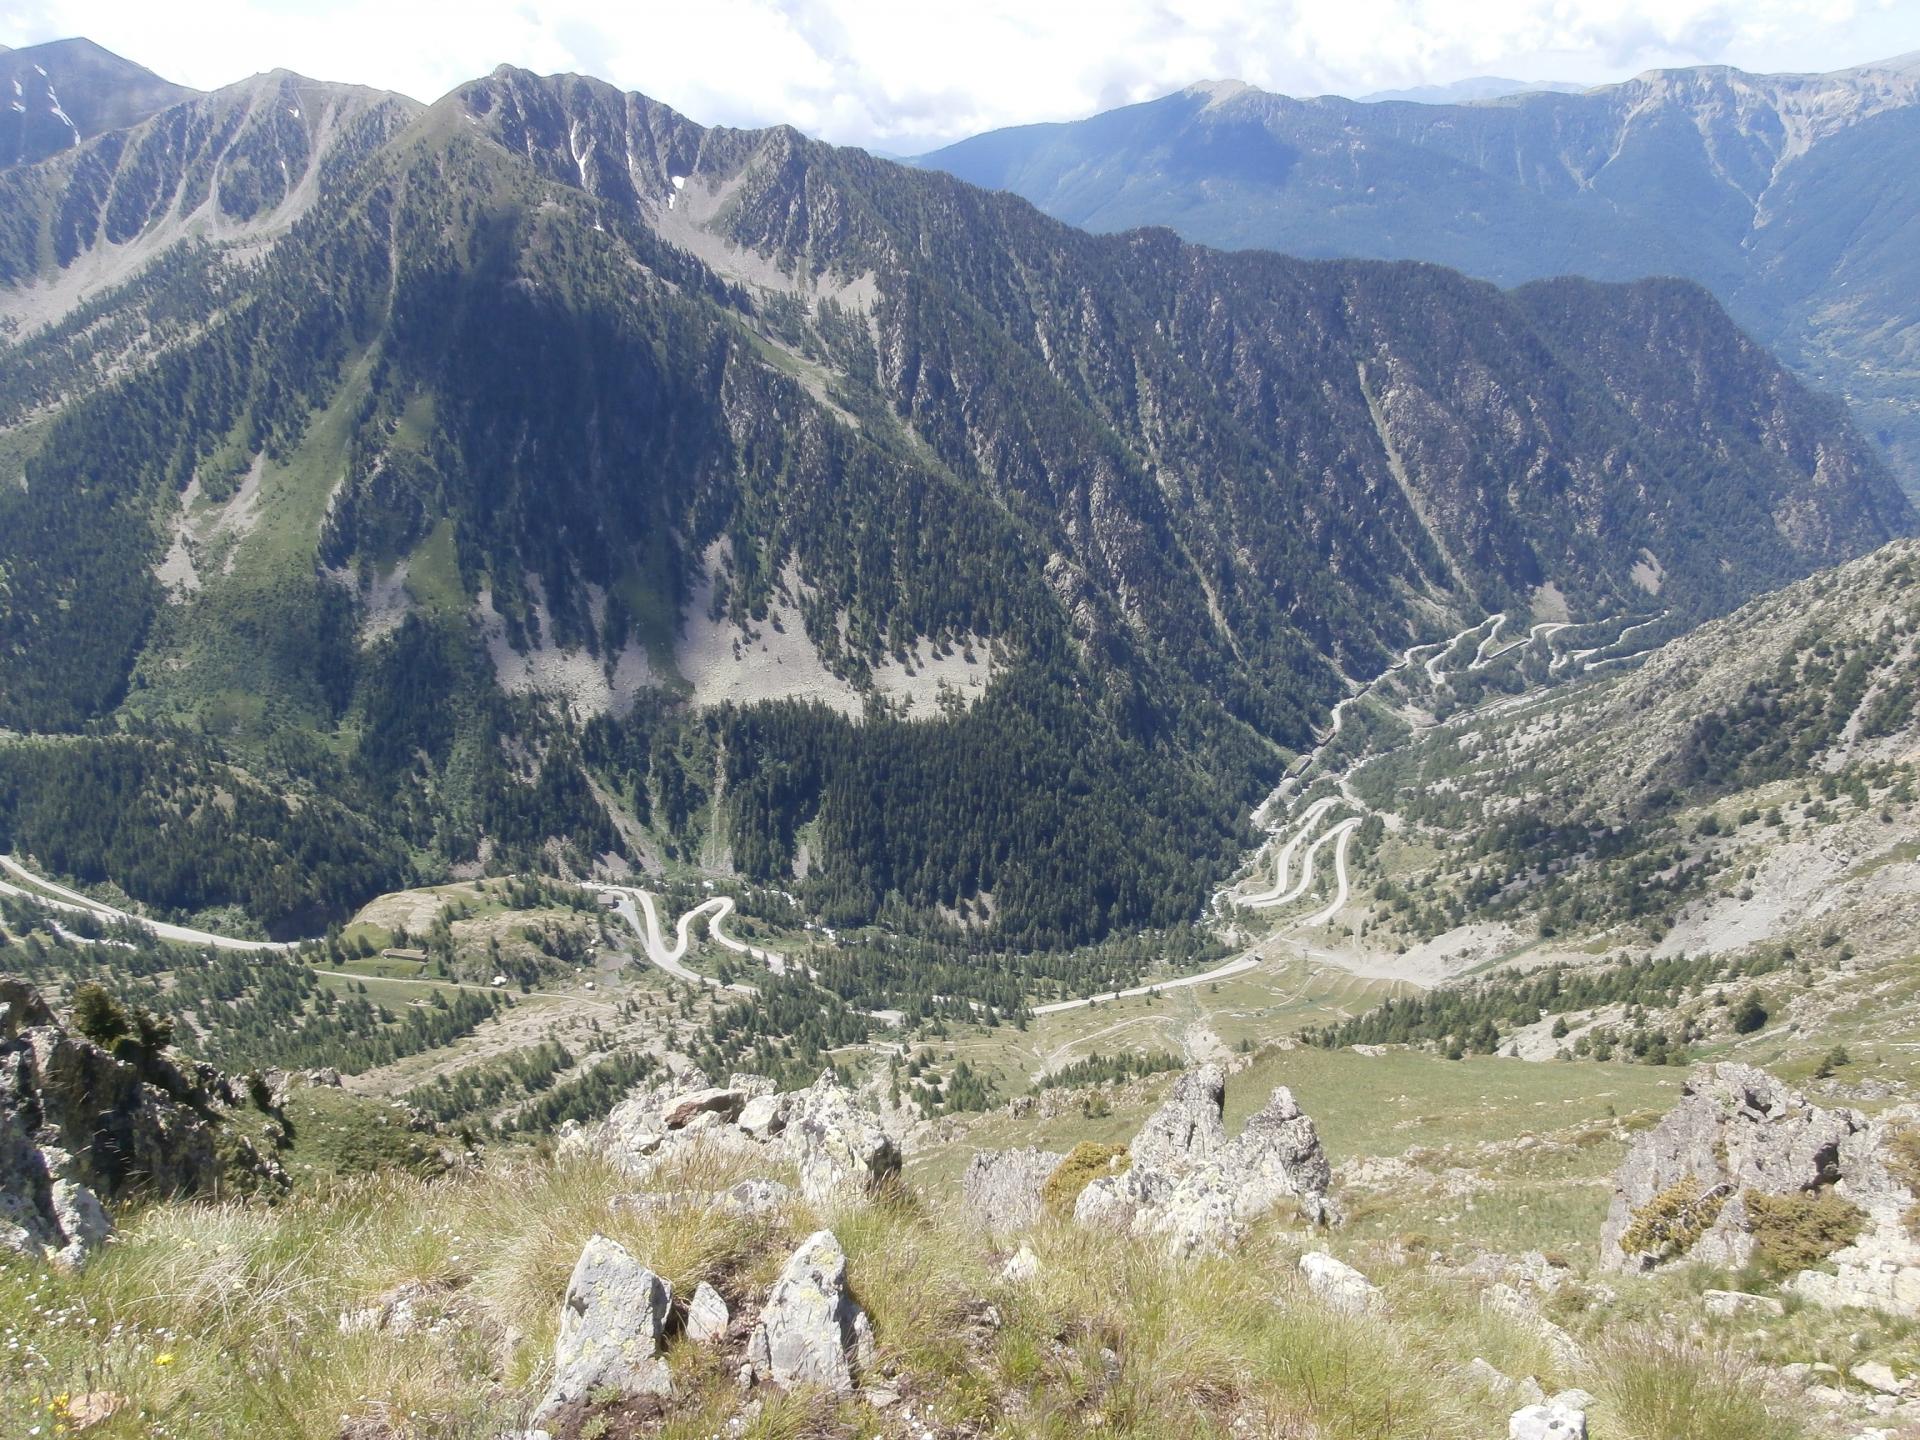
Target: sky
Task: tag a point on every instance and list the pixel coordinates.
(902, 75)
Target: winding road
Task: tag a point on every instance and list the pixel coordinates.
(670, 957)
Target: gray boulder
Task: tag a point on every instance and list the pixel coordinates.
(1001, 1188)
(837, 1144)
(707, 1315)
(1339, 1285)
(811, 1332)
(1201, 1190)
(1736, 1130)
(612, 1329)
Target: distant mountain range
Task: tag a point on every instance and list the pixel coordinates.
(53, 96)
(540, 478)
(1478, 87)
(1794, 198)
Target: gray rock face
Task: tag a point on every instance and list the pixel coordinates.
(764, 1116)
(1201, 1190)
(611, 1328)
(80, 1127)
(1738, 1132)
(839, 1146)
(1735, 1130)
(1002, 1187)
(811, 1332)
(707, 1315)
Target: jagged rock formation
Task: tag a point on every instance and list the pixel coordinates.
(1003, 1187)
(612, 1329)
(1201, 1190)
(837, 1144)
(80, 1127)
(811, 1331)
(1744, 1168)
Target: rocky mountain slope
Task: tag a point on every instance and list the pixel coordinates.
(736, 1259)
(500, 446)
(54, 96)
(1778, 192)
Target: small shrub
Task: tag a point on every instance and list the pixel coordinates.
(1750, 1014)
(1798, 1231)
(1676, 1218)
(1088, 1161)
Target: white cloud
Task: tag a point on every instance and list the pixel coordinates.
(894, 74)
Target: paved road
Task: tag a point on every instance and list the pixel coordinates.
(1302, 828)
(74, 902)
(670, 958)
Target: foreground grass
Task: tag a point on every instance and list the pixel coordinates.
(225, 1320)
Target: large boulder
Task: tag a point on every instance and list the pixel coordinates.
(81, 1127)
(612, 1329)
(1200, 1189)
(811, 1331)
(1002, 1188)
(837, 1144)
(1742, 1149)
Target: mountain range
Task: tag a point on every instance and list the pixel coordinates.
(542, 477)
(1791, 197)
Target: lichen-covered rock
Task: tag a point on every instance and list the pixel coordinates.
(612, 1327)
(838, 1145)
(811, 1332)
(1744, 1167)
(1003, 1188)
(1201, 1190)
(80, 1127)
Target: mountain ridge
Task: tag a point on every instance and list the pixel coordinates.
(1759, 187)
(546, 388)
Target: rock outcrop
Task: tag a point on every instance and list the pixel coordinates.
(834, 1141)
(1743, 1154)
(811, 1331)
(1002, 1188)
(837, 1144)
(80, 1127)
(1192, 1184)
(612, 1329)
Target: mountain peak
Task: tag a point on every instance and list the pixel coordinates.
(62, 92)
